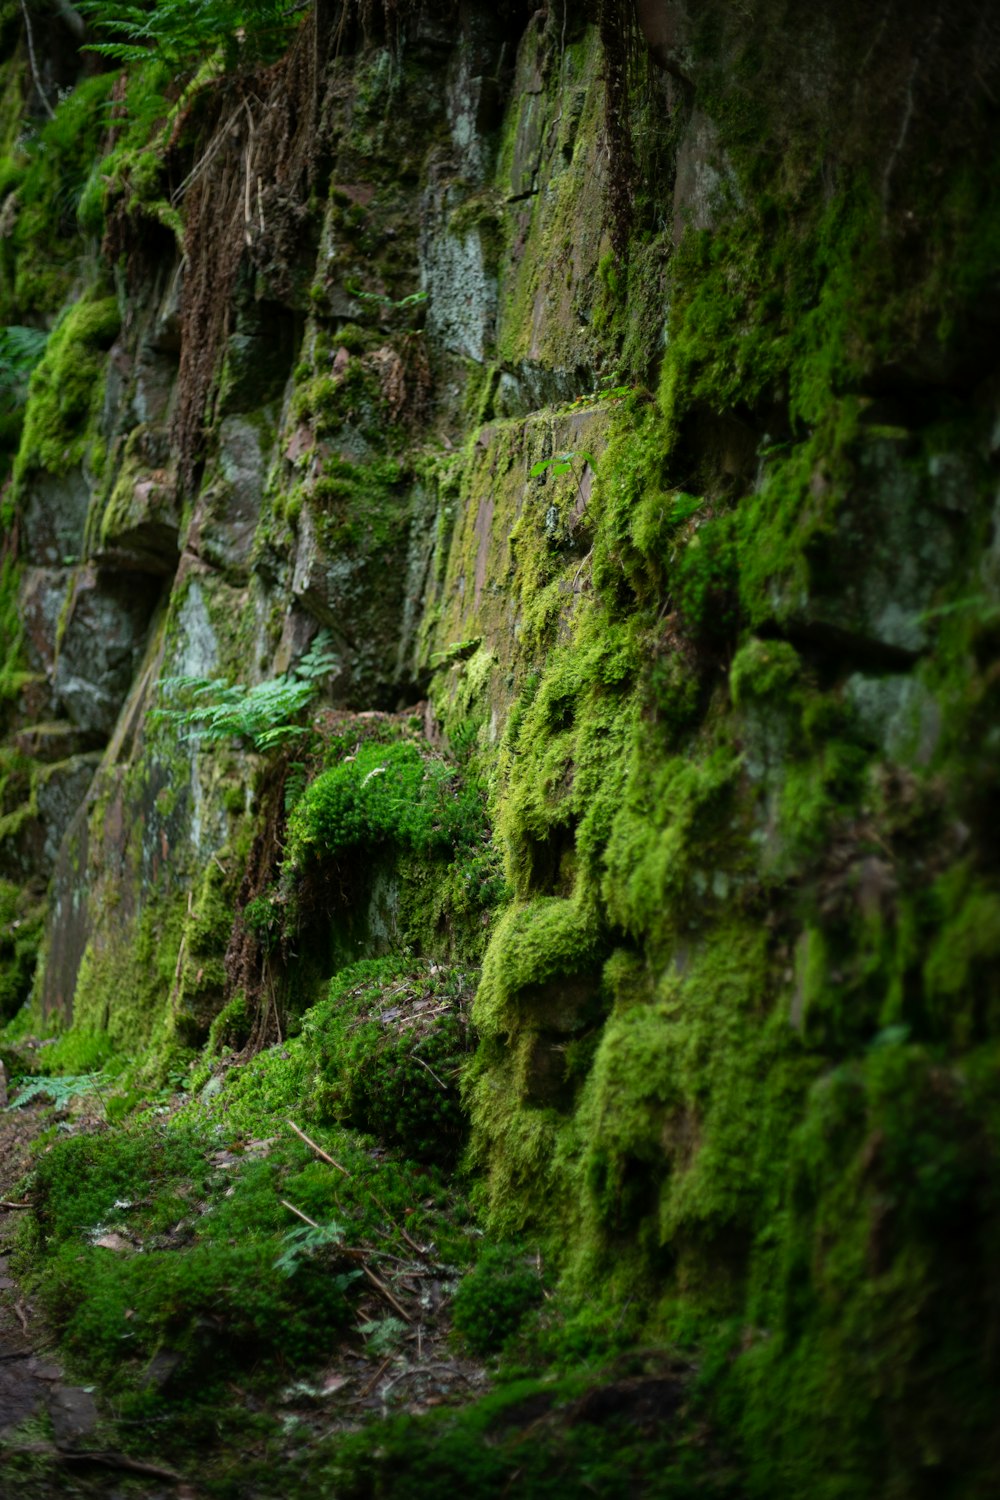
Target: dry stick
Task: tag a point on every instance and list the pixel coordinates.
(211, 153)
(178, 971)
(430, 1071)
(248, 181)
(367, 1390)
(34, 62)
(6, 1203)
(355, 1255)
(274, 999)
(116, 1461)
(318, 1149)
(377, 1201)
(22, 1316)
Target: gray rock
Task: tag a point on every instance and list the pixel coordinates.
(105, 628)
(60, 792)
(225, 519)
(55, 517)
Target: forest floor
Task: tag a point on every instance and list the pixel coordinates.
(55, 1433)
(404, 1411)
(47, 1422)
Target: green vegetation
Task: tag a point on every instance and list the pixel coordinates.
(384, 794)
(675, 943)
(181, 33)
(493, 1300)
(389, 1044)
(263, 714)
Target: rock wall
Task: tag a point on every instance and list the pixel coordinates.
(620, 394)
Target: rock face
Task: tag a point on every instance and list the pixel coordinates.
(635, 436)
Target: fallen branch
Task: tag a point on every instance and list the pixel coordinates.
(367, 1390)
(109, 1460)
(7, 1203)
(36, 77)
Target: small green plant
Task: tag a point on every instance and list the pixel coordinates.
(58, 1091)
(495, 1297)
(413, 300)
(180, 32)
(21, 349)
(265, 715)
(559, 463)
(305, 1242)
(381, 1337)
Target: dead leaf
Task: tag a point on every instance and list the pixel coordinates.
(112, 1241)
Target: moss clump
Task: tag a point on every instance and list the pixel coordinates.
(495, 1297)
(66, 390)
(866, 1311)
(387, 794)
(43, 178)
(534, 947)
(359, 505)
(585, 1434)
(206, 1277)
(388, 1046)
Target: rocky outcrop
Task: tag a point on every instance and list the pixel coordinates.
(618, 394)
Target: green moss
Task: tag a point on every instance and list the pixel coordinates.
(494, 1298)
(535, 945)
(384, 794)
(865, 1312)
(382, 1067)
(21, 923)
(66, 390)
(130, 177)
(47, 169)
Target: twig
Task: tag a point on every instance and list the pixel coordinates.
(22, 1316)
(179, 970)
(298, 1213)
(357, 1257)
(377, 1201)
(385, 1293)
(430, 1071)
(6, 1203)
(34, 62)
(211, 153)
(116, 1461)
(376, 1377)
(318, 1149)
(274, 999)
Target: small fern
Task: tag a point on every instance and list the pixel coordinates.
(58, 1091)
(20, 351)
(265, 715)
(179, 31)
(305, 1242)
